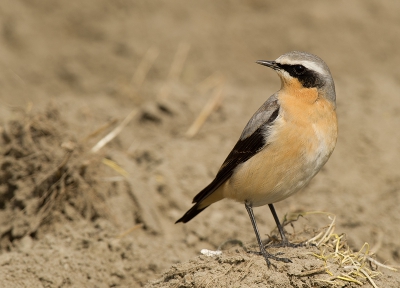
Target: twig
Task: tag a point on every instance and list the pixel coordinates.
(130, 230)
(210, 82)
(114, 132)
(378, 244)
(100, 129)
(328, 232)
(144, 66)
(114, 165)
(380, 264)
(179, 60)
(349, 279)
(175, 70)
(311, 272)
(369, 278)
(210, 106)
(314, 239)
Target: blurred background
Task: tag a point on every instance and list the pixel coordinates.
(99, 60)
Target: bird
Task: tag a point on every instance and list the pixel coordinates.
(283, 146)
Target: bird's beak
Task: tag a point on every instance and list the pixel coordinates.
(270, 64)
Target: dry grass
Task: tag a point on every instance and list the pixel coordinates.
(355, 266)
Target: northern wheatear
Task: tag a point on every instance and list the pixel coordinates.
(283, 146)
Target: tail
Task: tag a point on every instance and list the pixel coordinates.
(190, 214)
(201, 204)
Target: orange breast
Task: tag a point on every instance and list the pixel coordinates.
(300, 142)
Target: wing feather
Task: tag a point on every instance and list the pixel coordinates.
(252, 140)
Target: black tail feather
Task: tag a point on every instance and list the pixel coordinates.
(190, 214)
(203, 194)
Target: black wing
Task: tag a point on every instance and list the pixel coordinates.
(243, 151)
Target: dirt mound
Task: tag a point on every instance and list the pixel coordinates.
(53, 182)
(324, 260)
(44, 171)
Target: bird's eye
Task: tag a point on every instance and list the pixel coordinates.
(299, 69)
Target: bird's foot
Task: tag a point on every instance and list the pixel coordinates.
(267, 256)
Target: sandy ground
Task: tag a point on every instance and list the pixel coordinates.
(72, 71)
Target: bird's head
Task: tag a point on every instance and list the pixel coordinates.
(305, 70)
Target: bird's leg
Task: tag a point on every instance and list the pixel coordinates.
(262, 252)
(285, 242)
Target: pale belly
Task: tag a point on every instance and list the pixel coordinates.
(283, 167)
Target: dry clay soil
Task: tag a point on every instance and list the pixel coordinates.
(73, 215)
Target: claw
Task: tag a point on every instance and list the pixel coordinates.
(268, 256)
